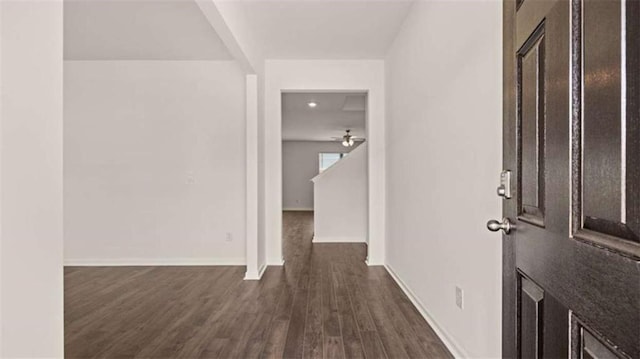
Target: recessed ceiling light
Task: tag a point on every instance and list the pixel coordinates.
(312, 104)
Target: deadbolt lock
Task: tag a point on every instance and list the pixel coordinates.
(504, 190)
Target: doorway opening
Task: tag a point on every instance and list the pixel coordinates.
(324, 168)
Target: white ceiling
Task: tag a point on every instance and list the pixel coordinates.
(283, 29)
(335, 113)
(324, 29)
(139, 30)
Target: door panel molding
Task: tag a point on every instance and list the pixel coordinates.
(531, 112)
(589, 344)
(604, 169)
(530, 318)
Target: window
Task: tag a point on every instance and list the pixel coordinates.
(328, 159)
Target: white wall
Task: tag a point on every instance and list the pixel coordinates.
(444, 88)
(31, 280)
(332, 76)
(232, 28)
(300, 162)
(229, 21)
(341, 203)
(154, 162)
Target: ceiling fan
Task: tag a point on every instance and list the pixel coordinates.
(347, 139)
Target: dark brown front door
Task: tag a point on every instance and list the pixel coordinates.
(571, 266)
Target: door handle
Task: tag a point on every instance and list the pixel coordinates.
(506, 226)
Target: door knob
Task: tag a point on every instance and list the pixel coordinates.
(506, 226)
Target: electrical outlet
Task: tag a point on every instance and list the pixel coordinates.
(459, 297)
(229, 237)
(191, 178)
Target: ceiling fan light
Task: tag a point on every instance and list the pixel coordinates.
(347, 140)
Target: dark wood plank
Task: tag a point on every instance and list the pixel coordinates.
(391, 341)
(295, 334)
(325, 303)
(313, 336)
(351, 340)
(333, 345)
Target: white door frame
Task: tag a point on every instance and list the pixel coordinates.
(282, 76)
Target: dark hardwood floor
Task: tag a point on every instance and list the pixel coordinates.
(324, 303)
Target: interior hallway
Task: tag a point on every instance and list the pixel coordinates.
(325, 303)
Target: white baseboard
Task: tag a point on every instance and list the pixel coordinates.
(257, 275)
(372, 264)
(298, 209)
(275, 262)
(113, 262)
(317, 239)
(455, 349)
